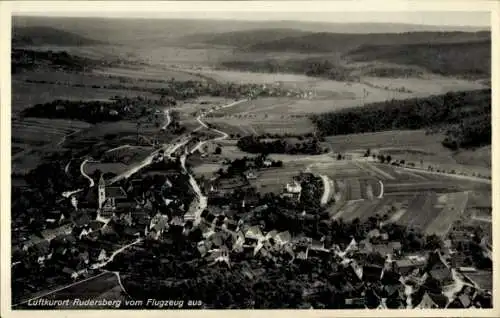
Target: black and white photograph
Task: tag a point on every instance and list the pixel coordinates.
(246, 158)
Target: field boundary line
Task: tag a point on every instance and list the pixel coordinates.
(61, 288)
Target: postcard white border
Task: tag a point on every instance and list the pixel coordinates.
(7, 8)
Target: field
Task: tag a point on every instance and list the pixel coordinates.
(275, 179)
(428, 202)
(417, 147)
(33, 138)
(115, 168)
(126, 155)
(148, 72)
(105, 285)
(25, 94)
(40, 131)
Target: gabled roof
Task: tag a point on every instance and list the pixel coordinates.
(81, 220)
(461, 301)
(254, 232)
(430, 301)
(49, 234)
(41, 248)
(116, 192)
(283, 237)
(96, 225)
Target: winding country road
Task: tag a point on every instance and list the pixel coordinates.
(166, 112)
(68, 194)
(326, 189)
(202, 199)
(204, 125)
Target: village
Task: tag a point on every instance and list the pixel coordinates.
(232, 222)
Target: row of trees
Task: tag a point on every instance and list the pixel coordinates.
(468, 114)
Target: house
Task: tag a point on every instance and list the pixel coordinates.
(461, 301)
(95, 225)
(254, 233)
(202, 248)
(432, 301)
(407, 266)
(220, 255)
(230, 225)
(238, 241)
(395, 295)
(33, 240)
(250, 175)
(81, 220)
(267, 163)
(133, 231)
(375, 233)
(353, 272)
(373, 272)
(41, 250)
(372, 299)
(97, 255)
(483, 300)
(84, 232)
(293, 190)
(54, 217)
(74, 273)
(301, 252)
(50, 234)
(283, 238)
(439, 269)
(355, 303)
(84, 257)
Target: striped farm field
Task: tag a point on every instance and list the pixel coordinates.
(453, 206)
(339, 170)
(40, 131)
(364, 209)
(421, 211)
(263, 125)
(353, 190)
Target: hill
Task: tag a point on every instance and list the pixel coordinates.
(342, 42)
(466, 117)
(470, 59)
(154, 32)
(22, 36)
(245, 38)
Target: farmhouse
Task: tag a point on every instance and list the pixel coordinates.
(292, 190)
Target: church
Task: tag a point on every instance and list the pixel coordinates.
(106, 200)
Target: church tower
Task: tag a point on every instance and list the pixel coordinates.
(101, 192)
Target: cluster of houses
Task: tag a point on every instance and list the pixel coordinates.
(102, 220)
(390, 281)
(276, 89)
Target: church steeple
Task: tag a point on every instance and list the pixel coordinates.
(101, 192)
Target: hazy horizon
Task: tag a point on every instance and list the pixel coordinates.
(445, 19)
(346, 12)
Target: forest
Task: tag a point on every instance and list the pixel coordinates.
(315, 67)
(466, 116)
(24, 59)
(253, 144)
